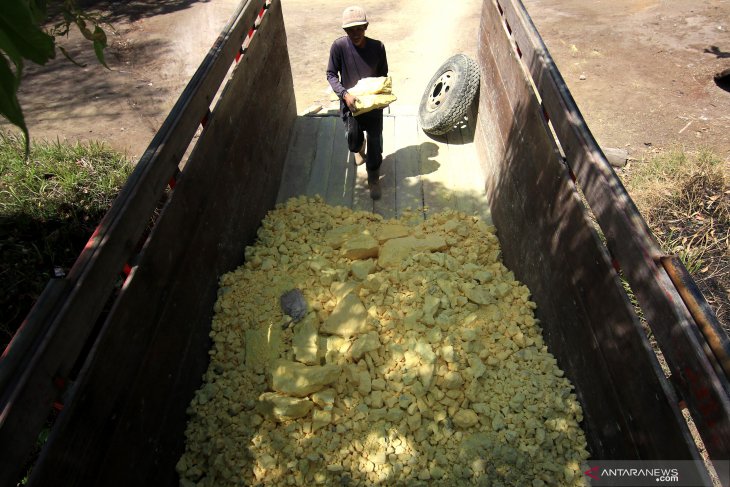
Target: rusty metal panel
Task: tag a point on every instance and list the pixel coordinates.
(696, 372)
(124, 423)
(630, 409)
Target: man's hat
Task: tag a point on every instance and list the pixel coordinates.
(353, 16)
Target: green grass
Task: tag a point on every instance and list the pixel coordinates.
(50, 204)
(59, 180)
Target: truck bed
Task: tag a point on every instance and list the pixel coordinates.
(120, 344)
(419, 173)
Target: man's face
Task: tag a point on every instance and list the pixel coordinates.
(357, 34)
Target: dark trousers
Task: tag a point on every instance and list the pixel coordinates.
(372, 123)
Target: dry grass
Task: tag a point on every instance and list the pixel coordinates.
(685, 199)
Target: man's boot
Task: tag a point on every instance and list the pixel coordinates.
(360, 157)
(374, 184)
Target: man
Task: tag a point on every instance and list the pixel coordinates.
(353, 57)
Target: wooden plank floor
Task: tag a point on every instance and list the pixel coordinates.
(419, 173)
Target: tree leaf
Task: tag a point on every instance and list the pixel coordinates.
(84, 30)
(39, 10)
(8, 47)
(16, 21)
(68, 56)
(100, 35)
(99, 50)
(9, 105)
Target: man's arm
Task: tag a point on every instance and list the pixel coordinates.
(334, 67)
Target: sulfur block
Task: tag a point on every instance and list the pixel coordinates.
(283, 408)
(300, 380)
(360, 247)
(394, 251)
(349, 318)
(390, 231)
(360, 269)
(465, 418)
(364, 344)
(305, 341)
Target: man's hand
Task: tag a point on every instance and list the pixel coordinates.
(350, 102)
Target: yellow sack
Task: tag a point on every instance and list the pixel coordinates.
(373, 93)
(373, 86)
(366, 103)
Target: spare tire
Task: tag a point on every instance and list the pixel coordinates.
(449, 94)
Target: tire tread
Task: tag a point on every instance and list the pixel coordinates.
(456, 107)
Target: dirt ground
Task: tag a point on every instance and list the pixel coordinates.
(648, 67)
(647, 64)
(640, 70)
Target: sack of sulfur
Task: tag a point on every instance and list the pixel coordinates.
(372, 94)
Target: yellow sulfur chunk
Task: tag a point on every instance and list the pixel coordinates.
(423, 362)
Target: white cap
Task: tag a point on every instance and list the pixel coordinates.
(354, 16)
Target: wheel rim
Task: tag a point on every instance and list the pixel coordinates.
(439, 90)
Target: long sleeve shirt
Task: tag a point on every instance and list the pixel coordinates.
(348, 64)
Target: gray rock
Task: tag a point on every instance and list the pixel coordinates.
(616, 157)
(293, 304)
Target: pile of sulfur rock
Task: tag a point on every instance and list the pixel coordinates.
(419, 362)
